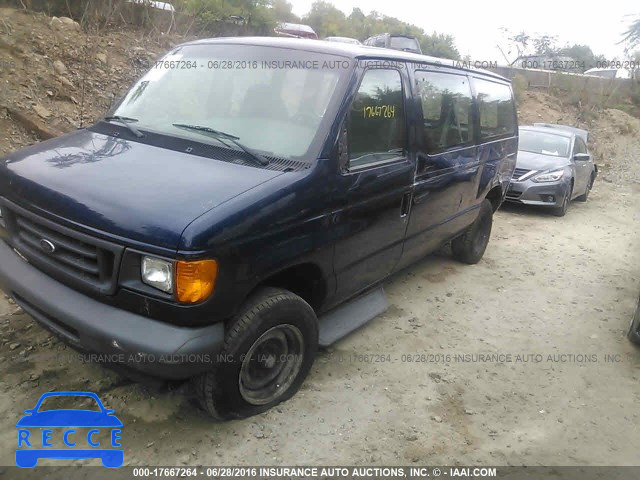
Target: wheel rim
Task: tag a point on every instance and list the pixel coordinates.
(271, 365)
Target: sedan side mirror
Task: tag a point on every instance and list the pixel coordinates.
(582, 157)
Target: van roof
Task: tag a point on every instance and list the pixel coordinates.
(352, 51)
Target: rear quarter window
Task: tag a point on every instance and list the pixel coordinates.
(497, 109)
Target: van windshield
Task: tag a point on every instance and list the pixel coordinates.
(272, 99)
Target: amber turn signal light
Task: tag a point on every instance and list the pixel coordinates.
(195, 280)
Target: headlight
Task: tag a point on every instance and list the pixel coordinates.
(157, 273)
(549, 176)
(194, 280)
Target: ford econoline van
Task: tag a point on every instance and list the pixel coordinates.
(241, 205)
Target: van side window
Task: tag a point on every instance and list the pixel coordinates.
(497, 109)
(446, 110)
(376, 129)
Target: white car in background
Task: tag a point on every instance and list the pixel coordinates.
(608, 72)
(343, 40)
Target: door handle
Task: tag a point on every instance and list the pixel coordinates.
(404, 206)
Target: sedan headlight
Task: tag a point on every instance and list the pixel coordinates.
(549, 176)
(157, 273)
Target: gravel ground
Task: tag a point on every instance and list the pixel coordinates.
(519, 360)
(552, 298)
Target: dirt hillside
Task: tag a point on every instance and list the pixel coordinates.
(612, 139)
(47, 63)
(561, 289)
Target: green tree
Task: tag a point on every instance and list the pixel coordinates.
(545, 45)
(582, 54)
(283, 11)
(327, 20)
(439, 45)
(216, 14)
(631, 37)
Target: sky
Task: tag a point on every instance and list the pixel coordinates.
(475, 24)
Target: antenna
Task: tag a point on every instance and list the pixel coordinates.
(84, 77)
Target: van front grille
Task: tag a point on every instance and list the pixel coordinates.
(68, 255)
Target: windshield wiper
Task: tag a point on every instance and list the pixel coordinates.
(226, 136)
(126, 121)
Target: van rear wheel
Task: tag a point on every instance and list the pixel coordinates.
(471, 245)
(269, 349)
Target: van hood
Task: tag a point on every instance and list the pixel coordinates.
(537, 161)
(124, 188)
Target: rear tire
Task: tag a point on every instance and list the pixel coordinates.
(471, 245)
(270, 347)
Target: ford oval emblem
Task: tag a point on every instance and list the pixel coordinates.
(47, 246)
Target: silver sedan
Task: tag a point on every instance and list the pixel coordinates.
(554, 167)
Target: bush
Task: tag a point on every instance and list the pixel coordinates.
(520, 85)
(635, 95)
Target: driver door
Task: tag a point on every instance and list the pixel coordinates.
(582, 168)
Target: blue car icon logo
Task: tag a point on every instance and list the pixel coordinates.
(36, 437)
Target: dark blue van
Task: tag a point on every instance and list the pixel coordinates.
(242, 203)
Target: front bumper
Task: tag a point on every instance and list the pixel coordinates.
(528, 192)
(634, 330)
(154, 348)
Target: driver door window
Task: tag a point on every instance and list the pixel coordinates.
(376, 129)
(580, 146)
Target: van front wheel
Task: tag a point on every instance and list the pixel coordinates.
(470, 246)
(268, 352)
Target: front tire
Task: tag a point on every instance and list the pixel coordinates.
(585, 196)
(471, 245)
(633, 334)
(561, 211)
(270, 348)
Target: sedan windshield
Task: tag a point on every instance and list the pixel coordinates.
(544, 143)
(272, 100)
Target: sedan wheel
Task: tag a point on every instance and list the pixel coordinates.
(583, 198)
(561, 211)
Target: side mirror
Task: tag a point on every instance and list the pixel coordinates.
(582, 157)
